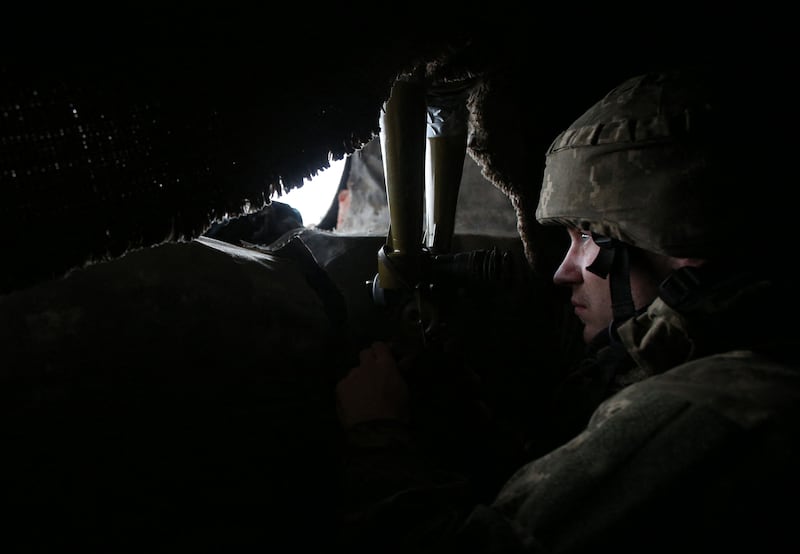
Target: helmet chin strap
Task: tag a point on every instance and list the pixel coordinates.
(613, 262)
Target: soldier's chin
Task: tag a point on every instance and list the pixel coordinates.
(591, 331)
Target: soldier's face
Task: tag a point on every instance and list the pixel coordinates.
(591, 295)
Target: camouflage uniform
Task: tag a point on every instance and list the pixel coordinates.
(689, 436)
(699, 455)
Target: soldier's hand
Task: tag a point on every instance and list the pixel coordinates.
(375, 389)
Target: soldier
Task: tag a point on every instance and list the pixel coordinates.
(680, 431)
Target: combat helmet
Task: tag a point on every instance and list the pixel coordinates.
(663, 162)
(641, 166)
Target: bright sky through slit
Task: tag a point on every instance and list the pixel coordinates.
(314, 198)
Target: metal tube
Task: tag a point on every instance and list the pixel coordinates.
(402, 125)
(447, 146)
(445, 165)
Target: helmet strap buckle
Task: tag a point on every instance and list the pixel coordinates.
(613, 260)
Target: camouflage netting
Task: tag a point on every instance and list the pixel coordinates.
(145, 128)
(132, 128)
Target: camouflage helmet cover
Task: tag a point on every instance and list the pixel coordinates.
(643, 165)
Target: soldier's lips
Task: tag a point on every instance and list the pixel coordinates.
(579, 309)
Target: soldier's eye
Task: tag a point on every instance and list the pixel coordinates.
(603, 241)
(586, 236)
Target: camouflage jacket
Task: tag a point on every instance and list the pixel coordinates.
(695, 448)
